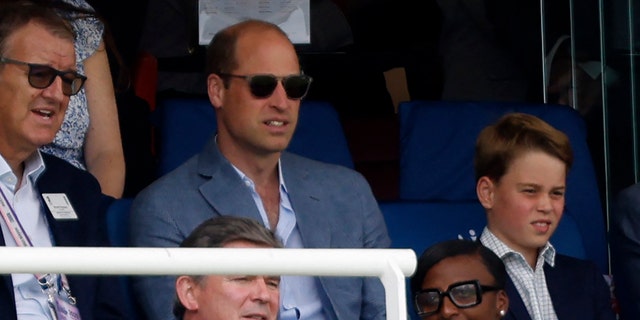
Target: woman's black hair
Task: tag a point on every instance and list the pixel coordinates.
(451, 248)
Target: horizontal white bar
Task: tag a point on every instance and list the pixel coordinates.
(390, 265)
(159, 261)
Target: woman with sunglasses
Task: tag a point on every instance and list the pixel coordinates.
(90, 134)
(460, 279)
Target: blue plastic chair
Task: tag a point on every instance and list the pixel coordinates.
(118, 232)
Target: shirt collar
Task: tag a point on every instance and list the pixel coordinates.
(250, 183)
(34, 166)
(283, 186)
(548, 252)
(6, 175)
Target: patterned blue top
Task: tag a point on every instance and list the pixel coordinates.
(69, 141)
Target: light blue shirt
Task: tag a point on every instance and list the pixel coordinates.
(299, 295)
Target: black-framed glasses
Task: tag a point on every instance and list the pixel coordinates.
(465, 294)
(42, 76)
(262, 85)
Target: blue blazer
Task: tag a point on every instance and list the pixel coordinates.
(334, 208)
(578, 291)
(625, 251)
(98, 297)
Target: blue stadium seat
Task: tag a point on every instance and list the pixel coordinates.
(118, 232)
(118, 222)
(184, 126)
(437, 144)
(419, 224)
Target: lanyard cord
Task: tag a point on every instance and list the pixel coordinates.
(14, 225)
(46, 281)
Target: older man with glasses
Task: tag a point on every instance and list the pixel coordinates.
(44, 201)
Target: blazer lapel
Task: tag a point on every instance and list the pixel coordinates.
(308, 203)
(222, 187)
(64, 232)
(562, 300)
(517, 309)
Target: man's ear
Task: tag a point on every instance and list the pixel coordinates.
(485, 192)
(185, 290)
(215, 90)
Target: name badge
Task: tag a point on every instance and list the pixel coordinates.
(60, 206)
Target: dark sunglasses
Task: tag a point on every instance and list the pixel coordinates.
(465, 294)
(42, 76)
(263, 85)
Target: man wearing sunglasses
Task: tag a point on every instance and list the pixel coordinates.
(255, 86)
(44, 201)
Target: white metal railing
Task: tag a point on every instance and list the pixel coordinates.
(390, 265)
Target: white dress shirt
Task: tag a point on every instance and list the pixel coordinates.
(31, 302)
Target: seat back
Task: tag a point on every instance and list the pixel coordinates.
(417, 225)
(437, 145)
(118, 222)
(185, 125)
(118, 232)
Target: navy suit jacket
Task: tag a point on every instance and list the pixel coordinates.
(578, 291)
(98, 297)
(625, 251)
(334, 208)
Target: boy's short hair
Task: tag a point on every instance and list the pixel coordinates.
(512, 135)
